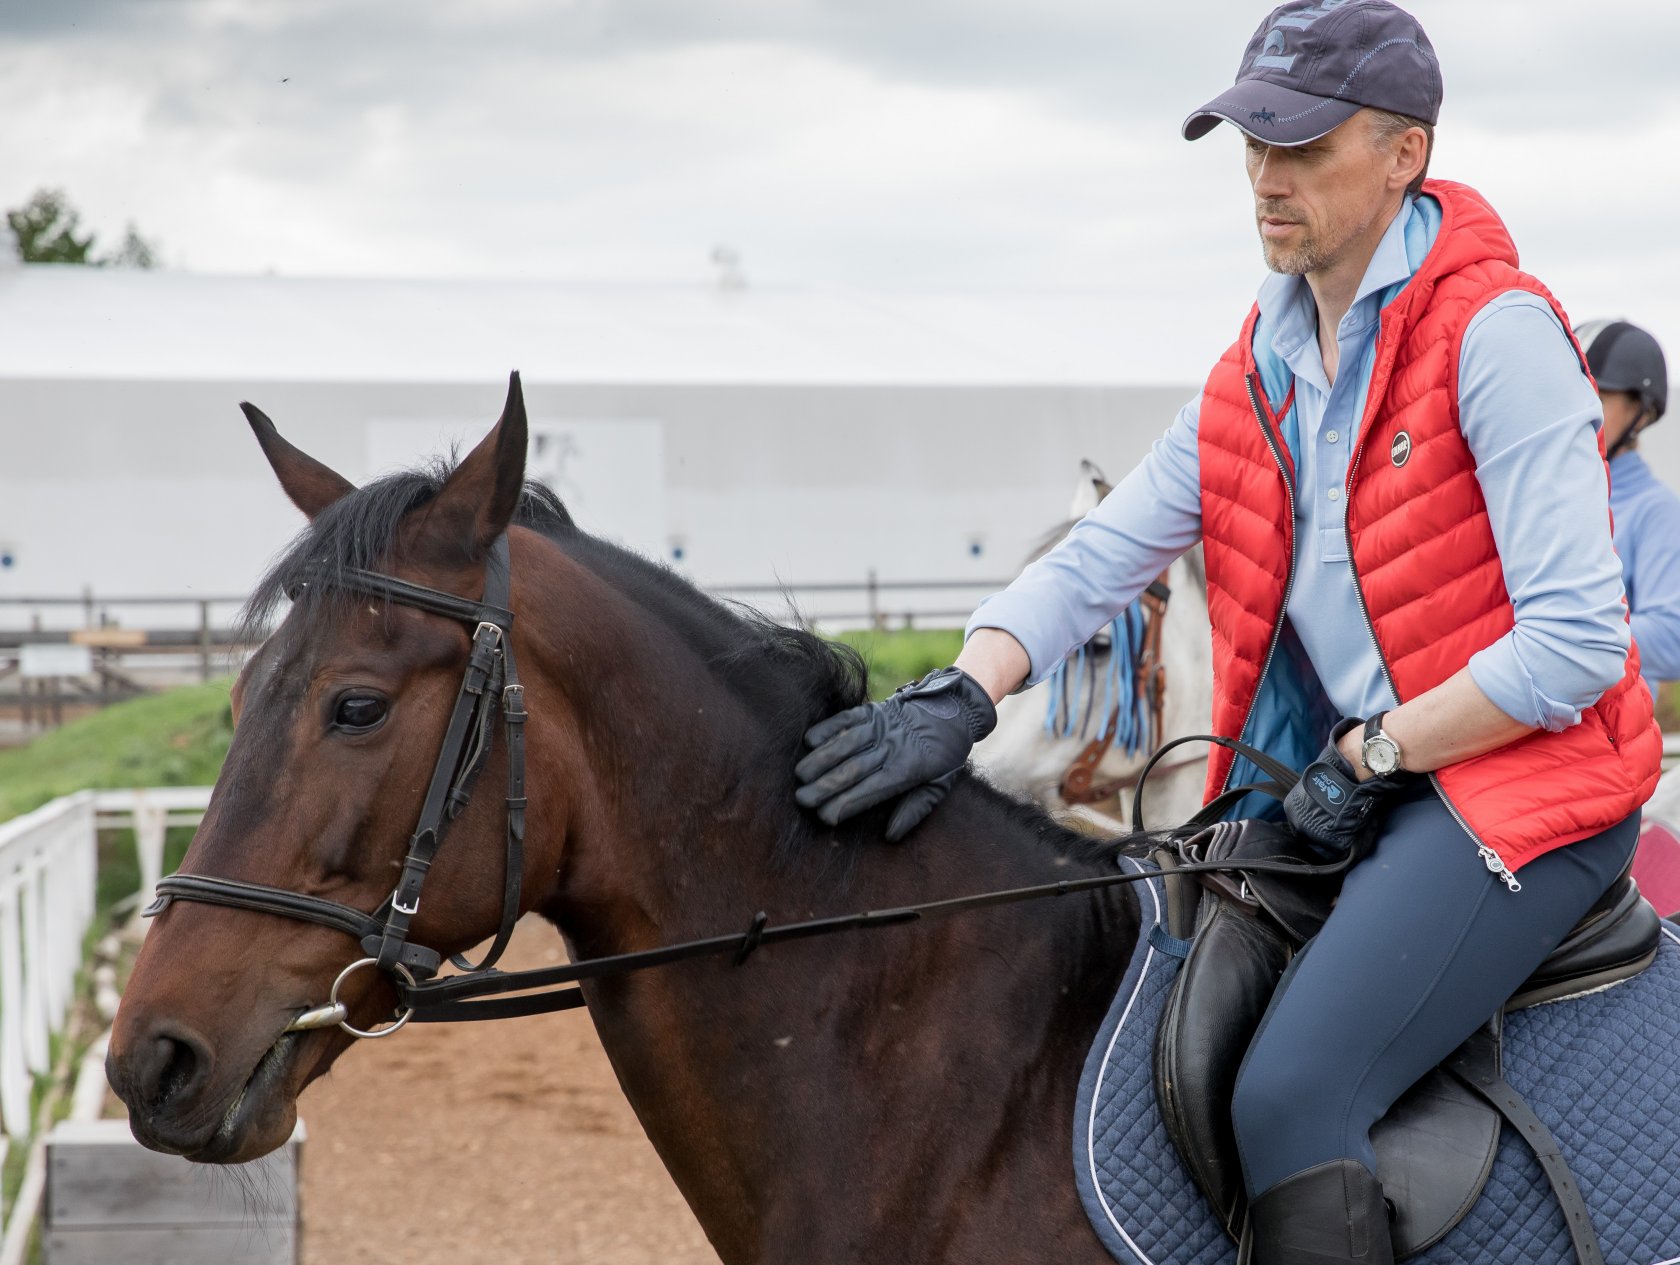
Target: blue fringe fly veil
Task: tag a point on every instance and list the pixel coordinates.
(1072, 694)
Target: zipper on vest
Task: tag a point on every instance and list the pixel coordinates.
(1494, 862)
(1289, 573)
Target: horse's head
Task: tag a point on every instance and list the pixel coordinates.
(1089, 492)
(341, 716)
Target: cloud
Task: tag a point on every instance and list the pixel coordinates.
(946, 143)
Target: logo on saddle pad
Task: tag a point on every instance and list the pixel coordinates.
(1400, 451)
(1328, 787)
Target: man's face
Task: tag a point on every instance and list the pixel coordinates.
(1312, 201)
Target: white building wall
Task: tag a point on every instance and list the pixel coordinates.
(142, 488)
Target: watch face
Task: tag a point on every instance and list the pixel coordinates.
(1380, 754)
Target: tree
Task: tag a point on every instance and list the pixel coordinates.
(135, 251)
(45, 228)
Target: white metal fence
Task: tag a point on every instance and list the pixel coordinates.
(48, 867)
(47, 861)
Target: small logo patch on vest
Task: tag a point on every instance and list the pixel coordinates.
(1400, 451)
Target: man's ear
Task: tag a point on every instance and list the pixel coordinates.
(311, 485)
(478, 501)
(1411, 156)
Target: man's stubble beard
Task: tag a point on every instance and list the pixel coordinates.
(1309, 256)
(1312, 255)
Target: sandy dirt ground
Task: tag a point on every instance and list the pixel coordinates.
(503, 1142)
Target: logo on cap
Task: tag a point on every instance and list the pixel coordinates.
(1262, 116)
(1400, 451)
(1274, 53)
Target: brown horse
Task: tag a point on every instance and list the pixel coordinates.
(905, 1094)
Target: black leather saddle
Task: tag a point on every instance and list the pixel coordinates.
(1436, 1146)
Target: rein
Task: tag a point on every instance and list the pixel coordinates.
(491, 684)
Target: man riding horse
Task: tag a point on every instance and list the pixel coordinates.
(1388, 471)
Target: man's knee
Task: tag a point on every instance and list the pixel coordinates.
(1275, 1088)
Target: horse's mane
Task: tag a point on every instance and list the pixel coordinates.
(787, 676)
(360, 530)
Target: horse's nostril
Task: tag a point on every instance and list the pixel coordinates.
(174, 1065)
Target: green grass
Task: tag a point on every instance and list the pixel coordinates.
(174, 739)
(905, 655)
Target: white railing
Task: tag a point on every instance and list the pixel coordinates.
(151, 813)
(48, 862)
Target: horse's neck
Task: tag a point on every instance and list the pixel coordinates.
(799, 1094)
(824, 1077)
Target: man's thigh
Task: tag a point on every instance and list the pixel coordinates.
(1424, 945)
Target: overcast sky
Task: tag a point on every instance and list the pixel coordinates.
(904, 144)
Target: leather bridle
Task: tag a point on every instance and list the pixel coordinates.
(489, 684)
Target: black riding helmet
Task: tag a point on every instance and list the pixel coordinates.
(1624, 357)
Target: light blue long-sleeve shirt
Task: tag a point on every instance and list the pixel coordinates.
(1648, 540)
(1530, 417)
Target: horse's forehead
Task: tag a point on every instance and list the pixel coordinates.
(321, 635)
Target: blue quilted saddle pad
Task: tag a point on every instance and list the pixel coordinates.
(1603, 1072)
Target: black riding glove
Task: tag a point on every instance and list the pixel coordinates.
(917, 741)
(1331, 808)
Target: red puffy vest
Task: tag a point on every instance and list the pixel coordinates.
(1423, 551)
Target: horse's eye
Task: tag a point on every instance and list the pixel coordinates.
(359, 712)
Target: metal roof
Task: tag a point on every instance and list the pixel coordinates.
(60, 322)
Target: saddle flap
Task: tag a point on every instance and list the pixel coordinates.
(1214, 1010)
(1435, 1149)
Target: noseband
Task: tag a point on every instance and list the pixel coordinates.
(490, 683)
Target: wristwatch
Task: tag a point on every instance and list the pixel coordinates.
(1379, 753)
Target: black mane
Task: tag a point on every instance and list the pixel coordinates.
(789, 677)
(756, 656)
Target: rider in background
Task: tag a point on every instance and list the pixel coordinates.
(1391, 472)
(1632, 381)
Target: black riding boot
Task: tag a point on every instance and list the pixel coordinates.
(1331, 1214)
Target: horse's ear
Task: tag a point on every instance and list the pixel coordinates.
(311, 485)
(484, 491)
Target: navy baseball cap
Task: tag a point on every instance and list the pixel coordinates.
(1314, 64)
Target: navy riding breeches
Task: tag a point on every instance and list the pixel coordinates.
(1423, 947)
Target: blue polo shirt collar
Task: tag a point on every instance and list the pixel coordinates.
(1288, 310)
